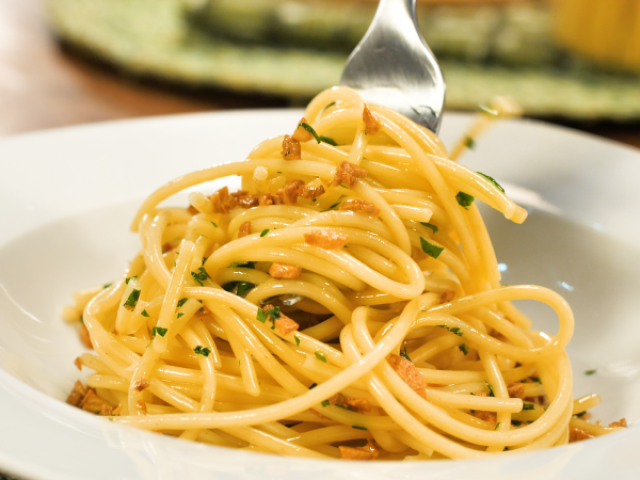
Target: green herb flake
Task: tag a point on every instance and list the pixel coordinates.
(464, 349)
(470, 143)
(145, 314)
(321, 356)
(490, 389)
(158, 331)
(312, 386)
(358, 427)
(331, 207)
(328, 140)
(297, 341)
(456, 330)
(344, 186)
(214, 224)
(431, 226)
(326, 403)
(528, 406)
(497, 426)
(107, 285)
(535, 379)
(182, 302)
(430, 249)
(517, 423)
(130, 278)
(180, 315)
(506, 449)
(132, 301)
(580, 414)
(590, 372)
(244, 287)
(265, 232)
(492, 180)
(200, 350)
(311, 130)
(464, 199)
(404, 354)
(262, 316)
(200, 276)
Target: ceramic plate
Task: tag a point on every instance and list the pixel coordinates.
(67, 197)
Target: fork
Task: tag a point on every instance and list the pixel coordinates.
(392, 66)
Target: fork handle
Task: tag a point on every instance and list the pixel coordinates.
(396, 12)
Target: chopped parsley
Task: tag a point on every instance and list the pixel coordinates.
(404, 354)
(321, 356)
(182, 302)
(431, 226)
(590, 372)
(490, 389)
(455, 330)
(506, 449)
(244, 287)
(328, 140)
(251, 265)
(497, 426)
(517, 423)
(270, 314)
(528, 406)
(580, 414)
(311, 130)
(358, 427)
(265, 232)
(145, 314)
(464, 349)
(158, 331)
(132, 301)
(430, 249)
(130, 278)
(297, 341)
(180, 315)
(200, 276)
(492, 180)
(107, 285)
(535, 379)
(214, 224)
(204, 351)
(313, 385)
(470, 143)
(326, 403)
(464, 199)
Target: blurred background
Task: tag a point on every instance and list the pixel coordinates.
(66, 62)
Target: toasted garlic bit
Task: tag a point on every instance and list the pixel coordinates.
(409, 373)
(282, 270)
(301, 134)
(347, 173)
(244, 230)
(360, 206)
(327, 239)
(371, 123)
(291, 149)
(141, 384)
(285, 325)
(368, 452)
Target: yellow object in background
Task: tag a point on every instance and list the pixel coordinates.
(604, 31)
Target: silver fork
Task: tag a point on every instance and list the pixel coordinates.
(392, 66)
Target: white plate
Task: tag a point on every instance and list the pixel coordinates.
(67, 196)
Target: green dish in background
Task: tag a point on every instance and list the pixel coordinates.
(297, 48)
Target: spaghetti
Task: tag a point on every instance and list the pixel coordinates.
(346, 303)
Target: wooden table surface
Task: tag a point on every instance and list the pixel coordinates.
(43, 86)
